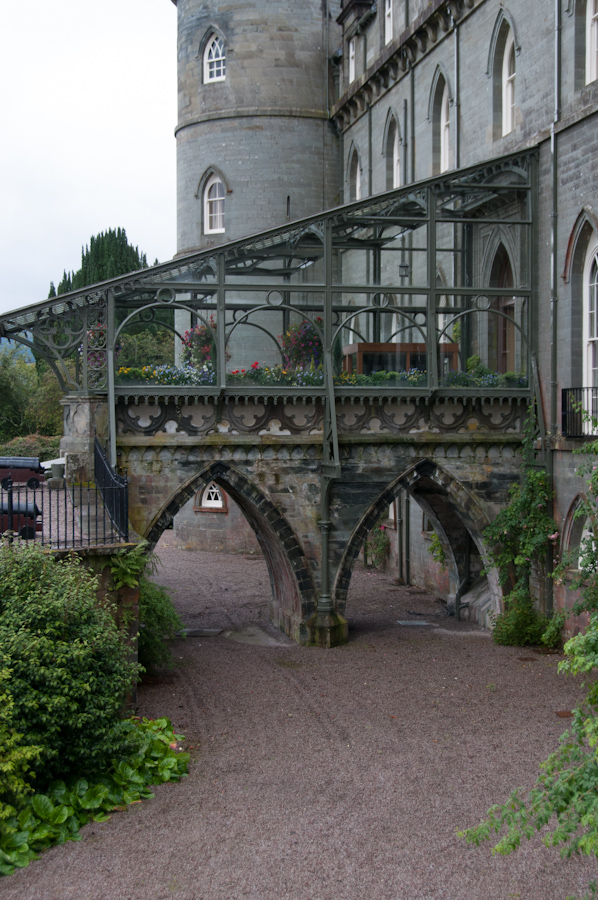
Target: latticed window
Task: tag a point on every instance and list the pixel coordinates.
(508, 85)
(214, 59)
(214, 206)
(212, 496)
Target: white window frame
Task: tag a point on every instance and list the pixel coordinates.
(591, 41)
(445, 130)
(354, 176)
(211, 499)
(396, 160)
(214, 206)
(388, 25)
(214, 60)
(509, 73)
(352, 51)
(590, 316)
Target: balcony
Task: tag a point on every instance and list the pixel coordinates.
(580, 412)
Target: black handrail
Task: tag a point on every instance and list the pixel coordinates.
(114, 491)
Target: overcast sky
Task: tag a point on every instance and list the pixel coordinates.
(88, 110)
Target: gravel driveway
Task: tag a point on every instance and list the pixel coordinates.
(326, 775)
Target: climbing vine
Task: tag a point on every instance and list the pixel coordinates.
(563, 803)
(522, 537)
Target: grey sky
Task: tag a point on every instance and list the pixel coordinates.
(88, 106)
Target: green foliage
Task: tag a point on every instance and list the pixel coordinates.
(436, 551)
(17, 384)
(148, 347)
(39, 445)
(158, 621)
(128, 565)
(16, 758)
(149, 757)
(377, 546)
(68, 665)
(108, 255)
(521, 536)
(563, 803)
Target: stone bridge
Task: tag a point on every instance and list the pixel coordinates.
(456, 457)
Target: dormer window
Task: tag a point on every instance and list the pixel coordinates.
(214, 60)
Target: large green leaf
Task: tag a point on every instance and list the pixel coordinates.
(42, 806)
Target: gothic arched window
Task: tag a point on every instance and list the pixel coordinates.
(590, 316)
(213, 206)
(508, 84)
(210, 499)
(214, 59)
(393, 156)
(354, 176)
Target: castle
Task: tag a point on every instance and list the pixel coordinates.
(287, 109)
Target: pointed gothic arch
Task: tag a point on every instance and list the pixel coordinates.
(458, 519)
(293, 598)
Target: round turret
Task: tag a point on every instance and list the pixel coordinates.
(254, 145)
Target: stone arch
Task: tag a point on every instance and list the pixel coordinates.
(457, 516)
(293, 598)
(211, 170)
(503, 21)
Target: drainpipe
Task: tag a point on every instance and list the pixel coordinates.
(457, 103)
(369, 151)
(412, 85)
(407, 539)
(554, 277)
(400, 537)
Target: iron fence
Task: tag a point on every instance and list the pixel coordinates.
(61, 516)
(579, 409)
(114, 491)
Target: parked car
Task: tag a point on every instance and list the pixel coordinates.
(26, 517)
(22, 470)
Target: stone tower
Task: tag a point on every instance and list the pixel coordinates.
(255, 148)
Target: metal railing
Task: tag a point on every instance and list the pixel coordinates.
(114, 491)
(579, 408)
(58, 515)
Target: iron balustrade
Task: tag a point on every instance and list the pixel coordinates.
(580, 412)
(113, 489)
(60, 516)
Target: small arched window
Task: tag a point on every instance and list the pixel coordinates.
(508, 85)
(213, 206)
(393, 156)
(214, 60)
(591, 41)
(354, 177)
(210, 499)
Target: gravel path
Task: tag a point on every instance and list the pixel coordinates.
(326, 775)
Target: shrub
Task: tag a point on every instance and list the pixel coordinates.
(151, 756)
(158, 620)
(377, 546)
(33, 445)
(16, 759)
(69, 673)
